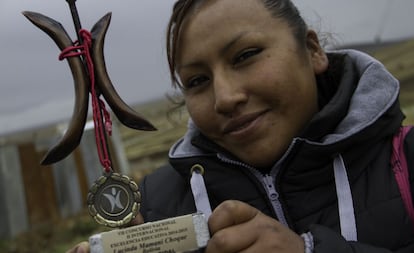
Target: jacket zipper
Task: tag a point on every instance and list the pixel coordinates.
(269, 185)
(274, 198)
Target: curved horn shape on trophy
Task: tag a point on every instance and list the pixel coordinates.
(124, 113)
(71, 138)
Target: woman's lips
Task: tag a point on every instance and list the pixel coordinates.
(243, 124)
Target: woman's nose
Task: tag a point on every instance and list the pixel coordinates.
(229, 94)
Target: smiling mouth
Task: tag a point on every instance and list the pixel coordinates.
(242, 123)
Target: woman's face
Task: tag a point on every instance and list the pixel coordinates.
(248, 86)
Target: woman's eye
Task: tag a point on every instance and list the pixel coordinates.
(196, 81)
(246, 54)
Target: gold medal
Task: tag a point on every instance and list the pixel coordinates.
(114, 200)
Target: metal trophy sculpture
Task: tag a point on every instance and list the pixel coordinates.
(114, 199)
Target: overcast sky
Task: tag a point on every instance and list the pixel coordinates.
(37, 89)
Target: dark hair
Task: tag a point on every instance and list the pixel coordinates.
(283, 9)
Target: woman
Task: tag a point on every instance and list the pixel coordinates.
(293, 143)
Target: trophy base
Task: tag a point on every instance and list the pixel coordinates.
(188, 233)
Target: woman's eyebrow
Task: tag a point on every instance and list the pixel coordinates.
(222, 51)
(231, 43)
(189, 65)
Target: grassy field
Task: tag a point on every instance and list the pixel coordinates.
(53, 238)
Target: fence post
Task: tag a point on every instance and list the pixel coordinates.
(13, 210)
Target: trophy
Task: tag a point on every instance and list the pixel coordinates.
(114, 199)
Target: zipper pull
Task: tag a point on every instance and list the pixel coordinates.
(273, 195)
(270, 188)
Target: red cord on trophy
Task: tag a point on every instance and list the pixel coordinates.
(113, 199)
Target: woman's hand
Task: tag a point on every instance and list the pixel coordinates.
(238, 227)
(83, 247)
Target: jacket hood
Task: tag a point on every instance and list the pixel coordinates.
(366, 93)
(375, 96)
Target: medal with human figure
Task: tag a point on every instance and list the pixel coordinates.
(113, 199)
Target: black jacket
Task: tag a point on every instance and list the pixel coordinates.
(359, 114)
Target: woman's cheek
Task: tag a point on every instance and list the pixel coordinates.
(196, 109)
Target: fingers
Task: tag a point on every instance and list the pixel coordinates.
(137, 221)
(238, 227)
(82, 247)
(230, 213)
(231, 227)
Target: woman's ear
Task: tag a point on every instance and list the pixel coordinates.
(317, 54)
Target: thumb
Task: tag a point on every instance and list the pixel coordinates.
(82, 247)
(229, 213)
(137, 221)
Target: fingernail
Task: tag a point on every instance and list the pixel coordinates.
(79, 250)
